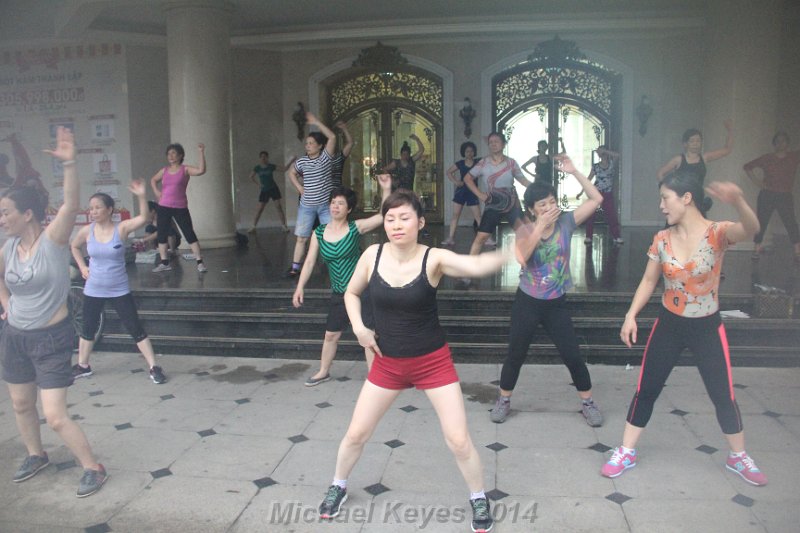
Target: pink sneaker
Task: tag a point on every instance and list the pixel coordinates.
(619, 462)
(745, 467)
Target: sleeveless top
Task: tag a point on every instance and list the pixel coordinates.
(695, 169)
(107, 276)
(340, 256)
(38, 286)
(407, 317)
(173, 188)
(405, 175)
(544, 171)
(604, 177)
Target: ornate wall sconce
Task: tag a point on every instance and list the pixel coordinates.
(467, 114)
(643, 112)
(299, 118)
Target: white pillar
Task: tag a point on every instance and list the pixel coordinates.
(198, 62)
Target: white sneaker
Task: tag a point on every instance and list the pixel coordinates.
(619, 240)
(188, 257)
(162, 268)
(201, 267)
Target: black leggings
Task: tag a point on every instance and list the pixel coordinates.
(181, 216)
(527, 313)
(125, 308)
(706, 339)
(768, 202)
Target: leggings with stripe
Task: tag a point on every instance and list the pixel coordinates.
(705, 337)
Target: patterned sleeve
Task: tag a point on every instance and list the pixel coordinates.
(653, 252)
(476, 169)
(298, 164)
(721, 235)
(515, 170)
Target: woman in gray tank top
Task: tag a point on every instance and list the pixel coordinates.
(36, 342)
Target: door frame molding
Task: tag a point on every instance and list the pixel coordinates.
(626, 118)
(448, 149)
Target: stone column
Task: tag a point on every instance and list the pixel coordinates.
(199, 73)
(742, 56)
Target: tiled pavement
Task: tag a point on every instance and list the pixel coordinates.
(240, 445)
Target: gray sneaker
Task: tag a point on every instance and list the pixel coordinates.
(92, 481)
(30, 467)
(162, 268)
(501, 408)
(592, 414)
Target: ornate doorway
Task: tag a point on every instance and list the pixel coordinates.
(383, 101)
(558, 94)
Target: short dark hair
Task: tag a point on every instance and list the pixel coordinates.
(25, 198)
(682, 182)
(347, 193)
(543, 142)
(537, 191)
(319, 137)
(263, 152)
(103, 197)
(691, 132)
(402, 197)
(178, 149)
(468, 144)
(498, 135)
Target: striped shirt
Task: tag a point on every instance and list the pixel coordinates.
(317, 182)
(340, 256)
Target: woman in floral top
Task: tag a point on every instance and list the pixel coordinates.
(543, 250)
(688, 254)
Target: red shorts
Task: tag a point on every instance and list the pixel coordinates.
(427, 371)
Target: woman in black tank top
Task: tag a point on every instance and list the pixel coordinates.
(693, 160)
(409, 344)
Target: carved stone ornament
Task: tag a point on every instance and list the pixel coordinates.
(556, 50)
(380, 57)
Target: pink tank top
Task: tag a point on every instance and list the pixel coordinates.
(173, 188)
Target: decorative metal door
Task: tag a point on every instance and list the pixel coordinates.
(558, 94)
(384, 101)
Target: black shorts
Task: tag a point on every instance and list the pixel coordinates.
(337, 314)
(273, 193)
(43, 355)
(491, 218)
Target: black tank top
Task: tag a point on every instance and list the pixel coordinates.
(406, 318)
(696, 169)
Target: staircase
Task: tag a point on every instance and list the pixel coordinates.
(263, 323)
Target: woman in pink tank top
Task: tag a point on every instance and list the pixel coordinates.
(173, 204)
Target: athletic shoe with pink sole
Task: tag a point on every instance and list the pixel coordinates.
(620, 461)
(745, 467)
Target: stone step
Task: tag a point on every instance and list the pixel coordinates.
(309, 349)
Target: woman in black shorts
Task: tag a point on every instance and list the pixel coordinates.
(36, 342)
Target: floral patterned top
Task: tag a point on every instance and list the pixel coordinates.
(691, 289)
(546, 274)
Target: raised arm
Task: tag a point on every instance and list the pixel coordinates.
(348, 139)
(652, 273)
(668, 167)
(725, 150)
(60, 229)
(76, 246)
(444, 262)
(561, 144)
(201, 168)
(420, 147)
(308, 268)
(368, 224)
(138, 189)
(730, 193)
(330, 146)
(528, 236)
(610, 153)
(594, 198)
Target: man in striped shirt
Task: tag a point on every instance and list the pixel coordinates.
(315, 190)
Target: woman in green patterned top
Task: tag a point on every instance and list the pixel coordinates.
(338, 244)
